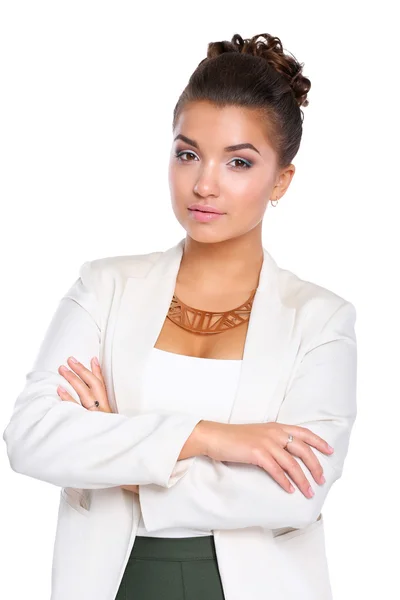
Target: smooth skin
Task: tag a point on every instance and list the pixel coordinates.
(223, 256)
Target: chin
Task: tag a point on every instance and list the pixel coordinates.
(207, 235)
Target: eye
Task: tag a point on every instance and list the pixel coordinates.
(180, 154)
(246, 163)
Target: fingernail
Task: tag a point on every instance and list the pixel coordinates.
(73, 359)
(330, 448)
(311, 491)
(322, 479)
(96, 361)
(62, 390)
(291, 488)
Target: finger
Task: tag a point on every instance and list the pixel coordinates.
(85, 374)
(96, 368)
(302, 449)
(269, 464)
(309, 458)
(88, 385)
(312, 463)
(292, 467)
(94, 383)
(64, 395)
(79, 386)
(306, 435)
(101, 394)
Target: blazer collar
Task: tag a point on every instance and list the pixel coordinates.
(143, 307)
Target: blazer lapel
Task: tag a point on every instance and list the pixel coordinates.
(143, 307)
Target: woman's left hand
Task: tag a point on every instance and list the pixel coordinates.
(90, 387)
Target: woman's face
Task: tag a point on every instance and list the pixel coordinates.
(204, 170)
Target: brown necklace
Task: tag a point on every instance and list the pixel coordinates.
(201, 321)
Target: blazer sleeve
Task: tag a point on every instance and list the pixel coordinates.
(227, 495)
(64, 443)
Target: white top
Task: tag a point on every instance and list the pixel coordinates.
(197, 386)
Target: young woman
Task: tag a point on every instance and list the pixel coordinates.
(211, 405)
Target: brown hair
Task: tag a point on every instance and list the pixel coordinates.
(256, 75)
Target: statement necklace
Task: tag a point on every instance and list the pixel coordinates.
(201, 321)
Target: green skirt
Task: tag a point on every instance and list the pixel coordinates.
(171, 569)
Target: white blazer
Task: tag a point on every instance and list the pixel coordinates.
(299, 367)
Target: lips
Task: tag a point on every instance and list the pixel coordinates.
(205, 209)
(204, 216)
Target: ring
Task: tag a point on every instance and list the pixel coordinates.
(97, 404)
(290, 439)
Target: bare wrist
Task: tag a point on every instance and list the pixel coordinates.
(196, 444)
(201, 432)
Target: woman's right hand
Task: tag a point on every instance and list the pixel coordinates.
(262, 444)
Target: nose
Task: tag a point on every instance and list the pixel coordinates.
(207, 183)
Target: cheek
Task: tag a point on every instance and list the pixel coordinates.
(180, 177)
(251, 183)
(247, 211)
(248, 197)
(180, 190)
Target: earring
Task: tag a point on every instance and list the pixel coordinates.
(272, 202)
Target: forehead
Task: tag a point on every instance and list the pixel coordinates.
(216, 127)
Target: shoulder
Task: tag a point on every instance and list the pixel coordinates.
(100, 271)
(100, 279)
(318, 309)
(296, 291)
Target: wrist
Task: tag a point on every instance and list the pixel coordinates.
(197, 442)
(205, 432)
(201, 436)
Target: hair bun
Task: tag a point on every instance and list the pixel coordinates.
(272, 51)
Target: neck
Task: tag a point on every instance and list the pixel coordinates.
(232, 264)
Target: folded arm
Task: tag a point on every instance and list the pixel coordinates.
(223, 495)
(64, 443)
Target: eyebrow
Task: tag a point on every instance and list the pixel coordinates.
(227, 148)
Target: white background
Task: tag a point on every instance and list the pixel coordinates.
(87, 94)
